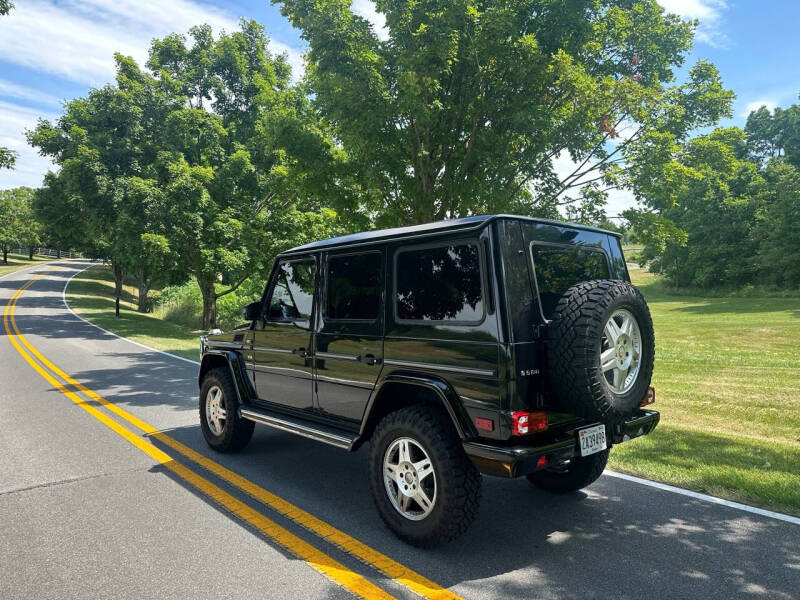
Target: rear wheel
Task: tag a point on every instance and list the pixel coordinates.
(222, 426)
(425, 488)
(572, 476)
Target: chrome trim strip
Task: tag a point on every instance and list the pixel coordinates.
(349, 382)
(300, 373)
(435, 367)
(353, 357)
(270, 349)
(220, 344)
(303, 430)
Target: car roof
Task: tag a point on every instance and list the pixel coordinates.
(451, 225)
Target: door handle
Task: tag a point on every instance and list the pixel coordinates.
(371, 360)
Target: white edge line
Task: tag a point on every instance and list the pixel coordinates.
(69, 308)
(654, 484)
(705, 497)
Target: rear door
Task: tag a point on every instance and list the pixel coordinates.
(349, 350)
(283, 339)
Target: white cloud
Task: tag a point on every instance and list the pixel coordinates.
(770, 103)
(367, 10)
(30, 166)
(9, 89)
(707, 12)
(76, 39)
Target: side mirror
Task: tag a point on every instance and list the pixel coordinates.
(252, 311)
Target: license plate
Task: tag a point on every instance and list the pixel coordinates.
(592, 439)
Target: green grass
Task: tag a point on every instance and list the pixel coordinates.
(19, 261)
(727, 380)
(91, 295)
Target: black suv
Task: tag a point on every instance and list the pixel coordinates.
(501, 345)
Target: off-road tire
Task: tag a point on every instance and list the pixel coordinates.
(580, 472)
(573, 350)
(458, 481)
(237, 431)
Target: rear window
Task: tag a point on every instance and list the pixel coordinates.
(354, 286)
(440, 283)
(558, 268)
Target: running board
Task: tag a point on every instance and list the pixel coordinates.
(303, 427)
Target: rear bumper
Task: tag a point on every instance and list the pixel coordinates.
(517, 461)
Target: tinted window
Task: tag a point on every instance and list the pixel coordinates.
(293, 294)
(439, 284)
(559, 268)
(354, 286)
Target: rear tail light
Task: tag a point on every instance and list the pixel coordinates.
(523, 423)
(542, 462)
(649, 397)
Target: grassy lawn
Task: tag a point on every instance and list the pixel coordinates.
(727, 381)
(19, 261)
(91, 295)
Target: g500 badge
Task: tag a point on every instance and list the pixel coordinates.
(528, 372)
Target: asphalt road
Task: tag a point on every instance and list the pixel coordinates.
(86, 513)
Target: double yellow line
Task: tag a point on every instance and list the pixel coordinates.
(314, 557)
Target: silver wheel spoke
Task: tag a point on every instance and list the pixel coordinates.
(402, 500)
(404, 452)
(612, 330)
(221, 413)
(608, 359)
(422, 499)
(424, 468)
(390, 471)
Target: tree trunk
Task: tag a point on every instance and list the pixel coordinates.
(5, 255)
(209, 303)
(30, 253)
(119, 277)
(142, 305)
(58, 253)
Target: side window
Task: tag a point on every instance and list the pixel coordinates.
(442, 283)
(293, 295)
(354, 287)
(558, 268)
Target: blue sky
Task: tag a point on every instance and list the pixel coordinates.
(53, 50)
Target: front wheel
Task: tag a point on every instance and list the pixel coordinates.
(572, 476)
(425, 488)
(222, 426)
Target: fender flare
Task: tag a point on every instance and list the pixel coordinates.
(237, 368)
(441, 389)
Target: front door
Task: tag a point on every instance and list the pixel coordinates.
(349, 351)
(283, 339)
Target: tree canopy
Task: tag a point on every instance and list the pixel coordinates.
(465, 107)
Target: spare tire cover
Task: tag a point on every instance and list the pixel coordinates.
(600, 350)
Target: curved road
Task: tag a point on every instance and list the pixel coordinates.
(85, 512)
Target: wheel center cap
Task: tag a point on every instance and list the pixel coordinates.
(407, 479)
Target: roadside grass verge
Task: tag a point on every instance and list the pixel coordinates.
(91, 295)
(20, 261)
(727, 379)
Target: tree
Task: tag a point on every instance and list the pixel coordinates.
(6, 6)
(18, 225)
(7, 158)
(774, 134)
(778, 226)
(242, 157)
(466, 106)
(698, 227)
